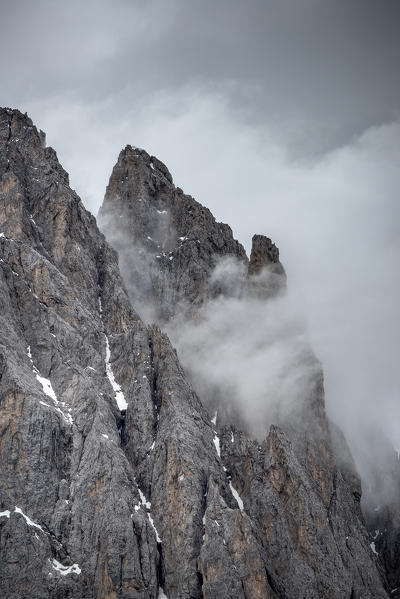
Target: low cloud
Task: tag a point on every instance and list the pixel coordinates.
(247, 357)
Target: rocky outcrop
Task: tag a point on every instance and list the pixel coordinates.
(267, 276)
(115, 482)
(169, 244)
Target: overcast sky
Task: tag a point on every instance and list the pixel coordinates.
(281, 116)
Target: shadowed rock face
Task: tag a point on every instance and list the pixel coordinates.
(114, 481)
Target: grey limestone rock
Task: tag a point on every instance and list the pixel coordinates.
(114, 481)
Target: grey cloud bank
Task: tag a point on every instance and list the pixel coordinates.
(281, 119)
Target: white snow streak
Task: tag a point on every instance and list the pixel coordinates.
(143, 499)
(49, 391)
(236, 496)
(372, 545)
(147, 505)
(47, 387)
(64, 570)
(27, 519)
(161, 594)
(216, 443)
(218, 450)
(5, 514)
(154, 527)
(119, 396)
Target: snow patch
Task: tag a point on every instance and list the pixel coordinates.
(236, 496)
(5, 514)
(147, 505)
(161, 594)
(214, 420)
(60, 406)
(27, 519)
(216, 443)
(119, 396)
(154, 527)
(372, 545)
(64, 570)
(143, 500)
(2, 235)
(47, 387)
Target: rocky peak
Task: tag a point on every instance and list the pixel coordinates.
(168, 243)
(267, 276)
(157, 228)
(263, 253)
(24, 150)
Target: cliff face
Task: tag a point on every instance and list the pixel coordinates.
(114, 480)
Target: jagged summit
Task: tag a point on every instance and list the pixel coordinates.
(24, 148)
(263, 253)
(103, 498)
(169, 244)
(135, 154)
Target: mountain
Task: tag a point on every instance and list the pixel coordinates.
(117, 481)
(168, 243)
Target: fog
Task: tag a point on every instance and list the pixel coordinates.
(248, 357)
